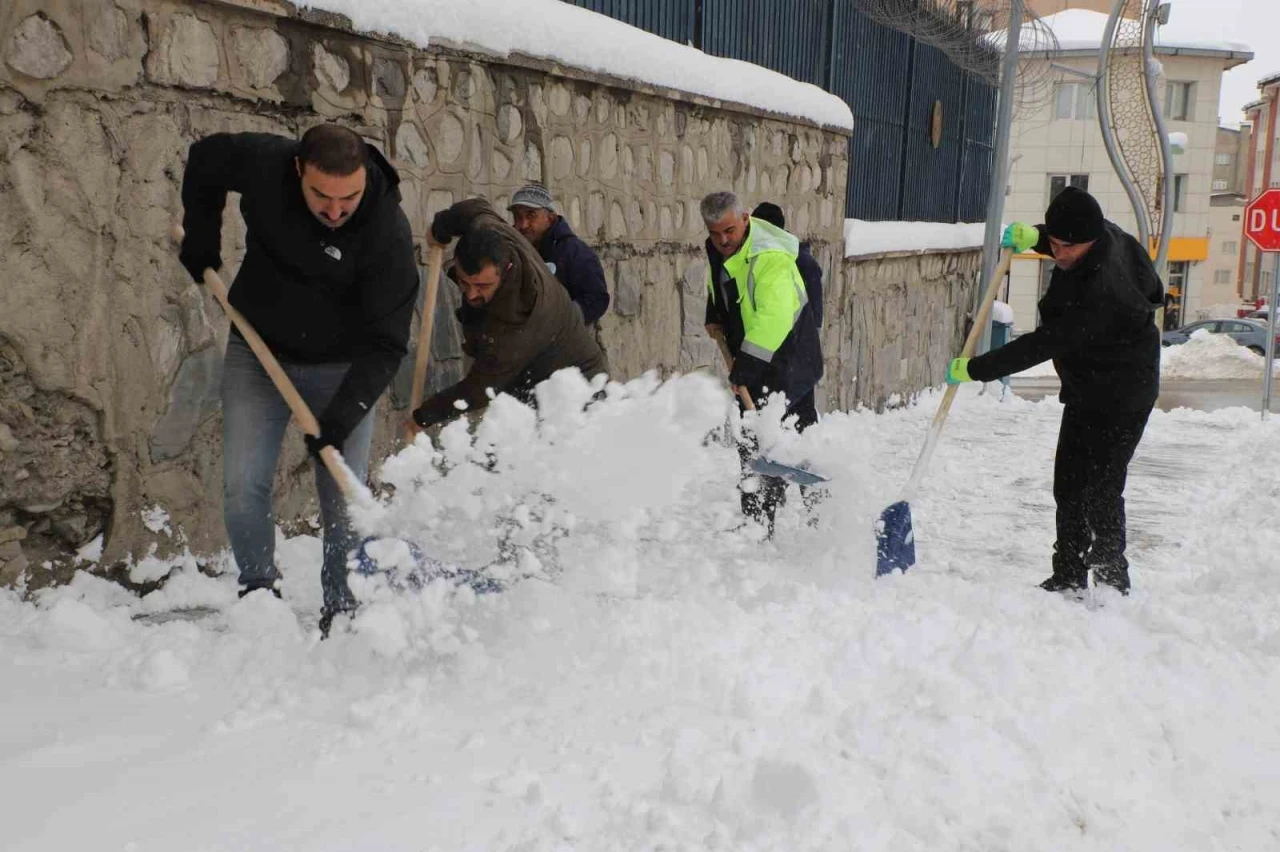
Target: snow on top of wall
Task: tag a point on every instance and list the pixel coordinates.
(551, 29)
(1083, 29)
(879, 237)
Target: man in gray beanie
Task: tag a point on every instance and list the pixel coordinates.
(1097, 324)
(571, 261)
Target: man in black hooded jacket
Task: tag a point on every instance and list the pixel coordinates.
(329, 281)
(1097, 325)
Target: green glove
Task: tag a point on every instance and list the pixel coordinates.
(1020, 236)
(958, 371)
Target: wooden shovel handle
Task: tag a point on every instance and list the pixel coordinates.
(970, 344)
(975, 333)
(743, 393)
(435, 261)
(301, 411)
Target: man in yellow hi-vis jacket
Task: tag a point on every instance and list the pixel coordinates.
(756, 300)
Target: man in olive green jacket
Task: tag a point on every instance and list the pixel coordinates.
(518, 321)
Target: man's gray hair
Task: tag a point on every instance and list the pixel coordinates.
(717, 205)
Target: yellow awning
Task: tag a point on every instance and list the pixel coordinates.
(1187, 248)
(1180, 248)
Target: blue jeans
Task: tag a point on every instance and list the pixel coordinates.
(254, 418)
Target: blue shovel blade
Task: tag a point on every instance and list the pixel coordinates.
(895, 540)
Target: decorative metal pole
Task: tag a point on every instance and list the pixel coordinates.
(1158, 13)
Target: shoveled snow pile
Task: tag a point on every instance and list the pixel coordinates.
(666, 680)
(550, 29)
(1210, 356)
(1206, 356)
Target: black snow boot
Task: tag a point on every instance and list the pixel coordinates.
(1064, 583)
(1115, 576)
(328, 614)
(1069, 573)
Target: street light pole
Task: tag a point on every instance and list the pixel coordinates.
(1269, 367)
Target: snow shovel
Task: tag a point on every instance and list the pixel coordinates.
(760, 464)
(368, 556)
(434, 262)
(895, 538)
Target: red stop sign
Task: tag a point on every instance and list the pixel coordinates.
(1262, 220)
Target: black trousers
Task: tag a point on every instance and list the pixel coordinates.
(1094, 451)
(762, 504)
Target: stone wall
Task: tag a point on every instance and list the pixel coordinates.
(893, 323)
(110, 356)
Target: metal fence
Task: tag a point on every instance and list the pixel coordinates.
(923, 127)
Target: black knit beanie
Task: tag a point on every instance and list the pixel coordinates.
(1074, 217)
(771, 213)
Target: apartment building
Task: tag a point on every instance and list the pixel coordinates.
(1056, 142)
(1219, 295)
(1262, 171)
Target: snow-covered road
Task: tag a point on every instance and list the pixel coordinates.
(680, 685)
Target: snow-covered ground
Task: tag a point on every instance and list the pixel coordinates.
(669, 683)
(1204, 357)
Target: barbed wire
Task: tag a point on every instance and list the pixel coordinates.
(971, 34)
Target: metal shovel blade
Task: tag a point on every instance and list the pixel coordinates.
(797, 475)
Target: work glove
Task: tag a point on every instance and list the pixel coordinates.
(748, 371)
(1020, 236)
(446, 225)
(958, 371)
(198, 254)
(330, 436)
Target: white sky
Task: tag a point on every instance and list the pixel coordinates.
(1252, 22)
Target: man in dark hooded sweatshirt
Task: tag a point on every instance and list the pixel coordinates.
(328, 280)
(1097, 324)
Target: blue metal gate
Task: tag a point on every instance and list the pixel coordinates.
(923, 127)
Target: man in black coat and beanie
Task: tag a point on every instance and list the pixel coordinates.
(1097, 324)
(329, 281)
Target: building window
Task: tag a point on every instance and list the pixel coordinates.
(1222, 276)
(1230, 248)
(1222, 159)
(1075, 100)
(1219, 185)
(1175, 294)
(1057, 183)
(1178, 101)
(1235, 217)
(1179, 193)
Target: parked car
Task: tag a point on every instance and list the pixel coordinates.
(1247, 332)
